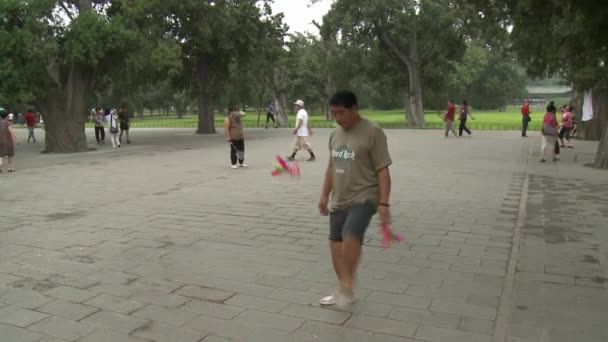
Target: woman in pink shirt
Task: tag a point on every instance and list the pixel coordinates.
(549, 133)
(567, 124)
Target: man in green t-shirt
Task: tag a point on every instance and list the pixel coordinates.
(359, 182)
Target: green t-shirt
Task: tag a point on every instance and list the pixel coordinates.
(356, 155)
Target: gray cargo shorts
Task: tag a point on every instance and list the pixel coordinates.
(353, 221)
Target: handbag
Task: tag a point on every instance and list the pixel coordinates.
(113, 129)
(549, 130)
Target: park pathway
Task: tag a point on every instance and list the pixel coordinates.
(162, 241)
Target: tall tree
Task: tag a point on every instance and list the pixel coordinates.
(214, 36)
(410, 31)
(62, 51)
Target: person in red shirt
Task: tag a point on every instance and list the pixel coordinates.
(448, 117)
(525, 118)
(30, 120)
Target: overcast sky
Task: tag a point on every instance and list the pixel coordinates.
(298, 16)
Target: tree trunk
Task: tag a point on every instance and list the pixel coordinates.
(411, 61)
(601, 158)
(409, 118)
(65, 114)
(601, 116)
(206, 120)
(415, 95)
(415, 88)
(278, 95)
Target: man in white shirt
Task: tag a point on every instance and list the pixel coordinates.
(302, 131)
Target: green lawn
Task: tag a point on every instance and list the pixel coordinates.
(487, 120)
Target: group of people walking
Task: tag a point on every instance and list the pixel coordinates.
(118, 121)
(450, 115)
(234, 135)
(553, 134)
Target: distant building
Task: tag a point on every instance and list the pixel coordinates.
(542, 94)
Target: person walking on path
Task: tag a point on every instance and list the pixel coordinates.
(448, 117)
(98, 119)
(302, 132)
(270, 112)
(125, 122)
(30, 120)
(567, 124)
(233, 132)
(7, 141)
(112, 119)
(525, 118)
(464, 114)
(549, 133)
(358, 179)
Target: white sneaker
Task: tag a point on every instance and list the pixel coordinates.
(338, 298)
(234, 166)
(329, 300)
(243, 165)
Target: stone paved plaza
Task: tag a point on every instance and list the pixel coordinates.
(162, 241)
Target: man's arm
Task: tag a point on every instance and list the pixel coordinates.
(384, 185)
(300, 123)
(227, 129)
(328, 183)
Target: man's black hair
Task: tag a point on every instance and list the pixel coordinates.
(3, 114)
(345, 98)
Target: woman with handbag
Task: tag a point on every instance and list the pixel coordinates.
(112, 119)
(549, 133)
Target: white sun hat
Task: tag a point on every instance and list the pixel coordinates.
(299, 103)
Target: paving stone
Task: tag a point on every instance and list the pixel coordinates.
(115, 321)
(479, 269)
(71, 294)
(283, 282)
(265, 320)
(67, 310)
(483, 300)
(332, 332)
(165, 315)
(107, 276)
(458, 308)
(257, 303)
(424, 317)
(212, 309)
(20, 317)
(62, 328)
(316, 313)
(8, 278)
(166, 333)
(401, 300)
(113, 303)
(204, 293)
(432, 334)
(156, 284)
(214, 338)
(365, 308)
(10, 333)
(476, 325)
(382, 325)
(109, 335)
(159, 298)
(23, 298)
(220, 327)
(114, 289)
